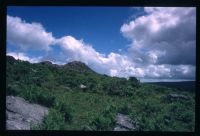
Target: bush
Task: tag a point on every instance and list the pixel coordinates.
(186, 116)
(105, 120)
(125, 109)
(53, 121)
(134, 81)
(140, 120)
(149, 107)
(11, 90)
(64, 108)
(37, 95)
(45, 98)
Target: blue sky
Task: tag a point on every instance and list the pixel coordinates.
(118, 41)
(88, 23)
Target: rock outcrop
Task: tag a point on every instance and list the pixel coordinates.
(124, 123)
(177, 96)
(20, 114)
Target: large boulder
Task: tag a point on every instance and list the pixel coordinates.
(124, 123)
(20, 114)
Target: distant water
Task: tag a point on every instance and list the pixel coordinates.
(184, 85)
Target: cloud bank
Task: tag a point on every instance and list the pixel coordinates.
(24, 57)
(163, 36)
(163, 45)
(28, 36)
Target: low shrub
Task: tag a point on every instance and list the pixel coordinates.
(53, 121)
(105, 120)
(64, 108)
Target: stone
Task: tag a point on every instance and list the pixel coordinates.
(178, 96)
(87, 128)
(124, 123)
(82, 86)
(118, 128)
(20, 114)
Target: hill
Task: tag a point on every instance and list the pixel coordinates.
(78, 98)
(182, 85)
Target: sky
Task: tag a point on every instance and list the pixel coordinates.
(150, 43)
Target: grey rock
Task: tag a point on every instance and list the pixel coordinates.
(87, 128)
(118, 128)
(83, 86)
(20, 114)
(177, 96)
(124, 123)
(33, 70)
(66, 88)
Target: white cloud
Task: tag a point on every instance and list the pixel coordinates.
(112, 64)
(165, 29)
(113, 72)
(24, 57)
(115, 64)
(153, 55)
(27, 35)
(77, 50)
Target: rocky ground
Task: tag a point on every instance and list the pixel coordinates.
(20, 114)
(124, 123)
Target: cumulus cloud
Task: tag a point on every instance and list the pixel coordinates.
(28, 35)
(77, 50)
(163, 35)
(113, 64)
(121, 65)
(166, 71)
(24, 57)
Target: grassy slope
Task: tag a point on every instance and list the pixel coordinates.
(95, 107)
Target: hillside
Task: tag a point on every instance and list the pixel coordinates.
(81, 99)
(184, 85)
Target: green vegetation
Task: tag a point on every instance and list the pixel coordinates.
(53, 121)
(95, 106)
